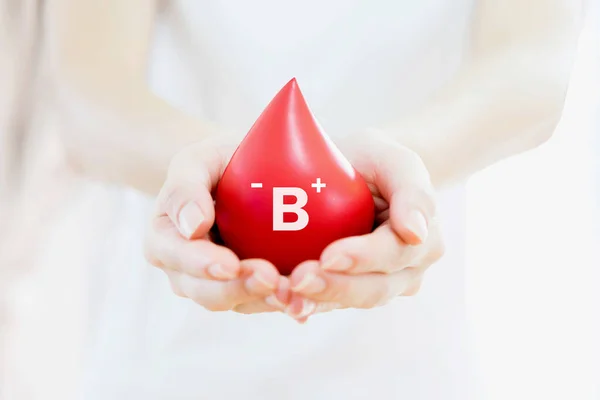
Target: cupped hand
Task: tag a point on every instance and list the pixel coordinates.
(181, 243)
(369, 271)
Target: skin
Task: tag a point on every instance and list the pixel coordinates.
(507, 99)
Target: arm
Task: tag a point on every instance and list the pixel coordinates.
(115, 128)
(508, 98)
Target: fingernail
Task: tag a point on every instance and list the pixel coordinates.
(310, 284)
(189, 219)
(222, 272)
(258, 283)
(417, 224)
(339, 263)
(308, 307)
(274, 302)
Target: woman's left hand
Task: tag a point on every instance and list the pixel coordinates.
(368, 271)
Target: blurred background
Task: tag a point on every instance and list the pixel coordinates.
(535, 310)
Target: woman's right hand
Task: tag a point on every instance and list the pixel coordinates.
(180, 241)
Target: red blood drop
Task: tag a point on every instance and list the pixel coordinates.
(284, 153)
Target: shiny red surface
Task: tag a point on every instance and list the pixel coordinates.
(287, 148)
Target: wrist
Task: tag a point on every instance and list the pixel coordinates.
(126, 135)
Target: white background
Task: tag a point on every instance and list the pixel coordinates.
(533, 255)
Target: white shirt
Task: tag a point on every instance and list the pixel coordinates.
(360, 63)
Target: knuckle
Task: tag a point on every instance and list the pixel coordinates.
(415, 196)
(337, 292)
(224, 149)
(168, 254)
(210, 304)
(150, 255)
(156, 246)
(235, 292)
(388, 289)
(189, 170)
(418, 167)
(231, 294)
(409, 155)
(186, 155)
(160, 225)
(405, 258)
(167, 198)
(193, 289)
(212, 152)
(152, 259)
(413, 290)
(178, 257)
(375, 299)
(437, 252)
(176, 289)
(424, 197)
(174, 284)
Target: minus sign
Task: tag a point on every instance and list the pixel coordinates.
(256, 185)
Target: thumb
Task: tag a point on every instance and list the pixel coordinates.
(411, 217)
(403, 181)
(186, 195)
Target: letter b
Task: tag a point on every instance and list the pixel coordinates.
(279, 209)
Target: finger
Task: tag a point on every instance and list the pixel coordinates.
(381, 251)
(415, 287)
(254, 307)
(274, 302)
(214, 295)
(356, 291)
(404, 182)
(203, 259)
(301, 308)
(261, 277)
(412, 214)
(174, 282)
(186, 195)
(281, 298)
(258, 281)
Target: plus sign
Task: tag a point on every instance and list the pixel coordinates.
(318, 185)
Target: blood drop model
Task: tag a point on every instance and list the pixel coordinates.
(288, 192)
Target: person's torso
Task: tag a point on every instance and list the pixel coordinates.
(359, 63)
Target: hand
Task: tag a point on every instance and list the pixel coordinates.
(180, 242)
(370, 270)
